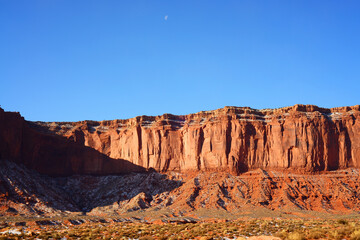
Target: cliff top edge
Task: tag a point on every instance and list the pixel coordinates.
(221, 111)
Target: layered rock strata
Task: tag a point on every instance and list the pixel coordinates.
(302, 138)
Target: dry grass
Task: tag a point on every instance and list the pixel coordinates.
(285, 229)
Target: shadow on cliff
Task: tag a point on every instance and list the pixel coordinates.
(70, 176)
(56, 155)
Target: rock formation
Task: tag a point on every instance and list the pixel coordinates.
(302, 138)
(23, 142)
(277, 154)
(26, 192)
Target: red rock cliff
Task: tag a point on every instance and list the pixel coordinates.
(27, 143)
(235, 139)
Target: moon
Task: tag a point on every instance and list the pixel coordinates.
(166, 17)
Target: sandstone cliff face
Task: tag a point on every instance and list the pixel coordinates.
(24, 142)
(300, 138)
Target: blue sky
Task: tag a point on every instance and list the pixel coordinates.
(76, 60)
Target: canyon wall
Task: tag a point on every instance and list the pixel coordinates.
(301, 138)
(26, 142)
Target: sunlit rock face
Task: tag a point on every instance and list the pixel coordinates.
(301, 138)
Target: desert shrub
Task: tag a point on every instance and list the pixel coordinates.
(316, 233)
(147, 237)
(88, 238)
(336, 235)
(233, 228)
(281, 234)
(355, 235)
(206, 238)
(295, 236)
(342, 221)
(345, 231)
(174, 238)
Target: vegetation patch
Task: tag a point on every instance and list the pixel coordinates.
(237, 229)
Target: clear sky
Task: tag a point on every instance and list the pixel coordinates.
(66, 60)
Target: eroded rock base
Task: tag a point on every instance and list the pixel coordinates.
(24, 192)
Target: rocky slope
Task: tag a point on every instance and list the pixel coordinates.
(24, 192)
(301, 138)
